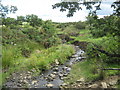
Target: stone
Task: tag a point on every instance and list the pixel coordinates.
(74, 56)
(104, 85)
(24, 81)
(56, 69)
(60, 75)
(24, 77)
(19, 85)
(65, 68)
(49, 85)
(64, 84)
(113, 82)
(29, 77)
(80, 80)
(20, 81)
(93, 86)
(68, 69)
(53, 75)
(57, 62)
(62, 78)
(29, 72)
(33, 70)
(65, 74)
(34, 82)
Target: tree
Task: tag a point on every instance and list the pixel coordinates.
(72, 7)
(8, 21)
(6, 10)
(20, 19)
(33, 20)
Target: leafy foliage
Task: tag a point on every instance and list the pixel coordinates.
(6, 10)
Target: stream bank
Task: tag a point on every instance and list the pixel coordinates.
(53, 78)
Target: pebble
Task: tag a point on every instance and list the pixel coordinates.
(61, 75)
(53, 75)
(34, 82)
(56, 69)
(49, 85)
(80, 80)
(93, 86)
(64, 84)
(57, 62)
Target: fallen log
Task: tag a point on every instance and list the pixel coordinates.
(110, 68)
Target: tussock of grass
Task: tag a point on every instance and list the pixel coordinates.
(12, 54)
(39, 60)
(84, 70)
(46, 57)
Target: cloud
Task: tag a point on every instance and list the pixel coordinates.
(43, 8)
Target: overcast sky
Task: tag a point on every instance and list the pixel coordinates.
(43, 8)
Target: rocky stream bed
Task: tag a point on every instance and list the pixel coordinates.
(54, 78)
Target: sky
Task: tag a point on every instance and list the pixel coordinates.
(43, 9)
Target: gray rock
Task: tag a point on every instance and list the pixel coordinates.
(64, 84)
(56, 69)
(49, 85)
(53, 75)
(68, 69)
(113, 82)
(74, 56)
(80, 80)
(57, 62)
(104, 85)
(61, 75)
(34, 82)
(29, 72)
(93, 86)
(29, 77)
(65, 74)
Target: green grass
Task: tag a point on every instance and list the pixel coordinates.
(87, 69)
(0, 79)
(11, 54)
(45, 58)
(38, 60)
(84, 70)
(85, 36)
(111, 72)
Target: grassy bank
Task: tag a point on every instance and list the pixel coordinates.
(40, 59)
(90, 68)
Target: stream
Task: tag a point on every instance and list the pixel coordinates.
(53, 78)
